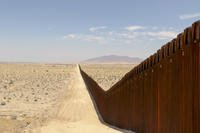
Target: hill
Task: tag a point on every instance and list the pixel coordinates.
(113, 59)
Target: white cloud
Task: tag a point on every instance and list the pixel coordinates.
(189, 16)
(163, 34)
(70, 36)
(130, 36)
(134, 27)
(93, 29)
(85, 37)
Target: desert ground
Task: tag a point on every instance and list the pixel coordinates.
(42, 98)
(106, 75)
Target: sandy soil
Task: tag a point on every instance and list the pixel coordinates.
(106, 75)
(29, 94)
(46, 99)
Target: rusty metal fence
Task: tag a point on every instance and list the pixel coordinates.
(160, 95)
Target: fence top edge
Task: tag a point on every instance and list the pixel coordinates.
(179, 42)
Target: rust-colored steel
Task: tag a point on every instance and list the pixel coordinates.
(160, 95)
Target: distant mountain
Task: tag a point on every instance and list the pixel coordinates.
(112, 59)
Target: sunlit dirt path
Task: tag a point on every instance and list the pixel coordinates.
(77, 113)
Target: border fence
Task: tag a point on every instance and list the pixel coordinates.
(161, 94)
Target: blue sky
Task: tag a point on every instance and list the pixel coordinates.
(73, 30)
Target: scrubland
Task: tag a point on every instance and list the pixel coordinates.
(106, 75)
(29, 93)
(43, 98)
